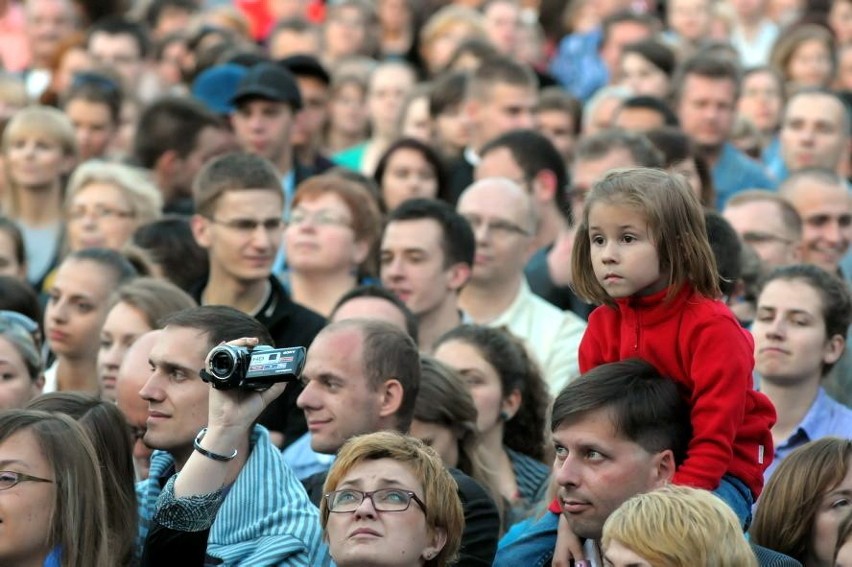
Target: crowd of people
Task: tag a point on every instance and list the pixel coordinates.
(572, 280)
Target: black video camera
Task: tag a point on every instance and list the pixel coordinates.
(258, 368)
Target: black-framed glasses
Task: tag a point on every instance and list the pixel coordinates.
(8, 479)
(384, 500)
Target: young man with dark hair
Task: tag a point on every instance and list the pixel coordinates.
(644, 113)
(122, 45)
(175, 137)
(282, 526)
(501, 96)
(529, 159)
(558, 117)
(239, 206)
(427, 254)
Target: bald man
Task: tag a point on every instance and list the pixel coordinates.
(503, 219)
(132, 375)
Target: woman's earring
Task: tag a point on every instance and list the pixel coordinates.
(504, 416)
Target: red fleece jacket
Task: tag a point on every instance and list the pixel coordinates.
(700, 344)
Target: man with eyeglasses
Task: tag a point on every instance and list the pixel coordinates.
(769, 224)
(504, 221)
(239, 207)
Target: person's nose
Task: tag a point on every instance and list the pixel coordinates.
(567, 472)
(366, 509)
(609, 253)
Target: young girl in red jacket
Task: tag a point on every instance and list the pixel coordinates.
(642, 252)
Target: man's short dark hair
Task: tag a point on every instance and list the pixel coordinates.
(219, 323)
(499, 70)
(380, 293)
(651, 103)
(727, 249)
(457, 240)
(558, 99)
(645, 407)
(171, 123)
(534, 153)
(708, 66)
(626, 16)
(157, 7)
(237, 171)
(601, 144)
(117, 25)
(447, 93)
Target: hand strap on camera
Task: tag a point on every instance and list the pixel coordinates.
(209, 454)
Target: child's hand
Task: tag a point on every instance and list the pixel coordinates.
(568, 547)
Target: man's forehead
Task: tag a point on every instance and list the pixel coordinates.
(586, 172)
(420, 234)
(814, 106)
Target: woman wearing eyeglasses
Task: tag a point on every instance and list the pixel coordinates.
(21, 365)
(106, 202)
(390, 501)
(52, 505)
(332, 229)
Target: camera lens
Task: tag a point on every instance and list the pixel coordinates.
(222, 364)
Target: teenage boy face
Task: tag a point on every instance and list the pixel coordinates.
(243, 234)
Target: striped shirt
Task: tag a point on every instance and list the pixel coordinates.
(265, 519)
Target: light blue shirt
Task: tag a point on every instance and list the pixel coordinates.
(735, 172)
(825, 418)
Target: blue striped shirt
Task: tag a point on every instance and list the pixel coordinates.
(265, 519)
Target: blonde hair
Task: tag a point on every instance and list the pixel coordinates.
(146, 201)
(675, 224)
(40, 121)
(679, 526)
(450, 16)
(443, 506)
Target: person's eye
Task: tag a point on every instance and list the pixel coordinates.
(106, 343)
(800, 322)
(840, 503)
(346, 497)
(561, 452)
(394, 496)
(244, 225)
(6, 376)
(597, 240)
(8, 478)
(593, 455)
(628, 238)
(85, 307)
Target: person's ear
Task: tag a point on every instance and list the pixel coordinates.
(833, 349)
(439, 540)
(167, 164)
(391, 393)
(360, 251)
(511, 404)
(458, 276)
(543, 187)
(38, 385)
(663, 468)
(200, 230)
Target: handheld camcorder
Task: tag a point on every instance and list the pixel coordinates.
(258, 368)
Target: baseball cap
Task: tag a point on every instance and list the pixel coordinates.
(271, 82)
(215, 87)
(306, 66)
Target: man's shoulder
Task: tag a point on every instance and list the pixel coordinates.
(289, 323)
(529, 543)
